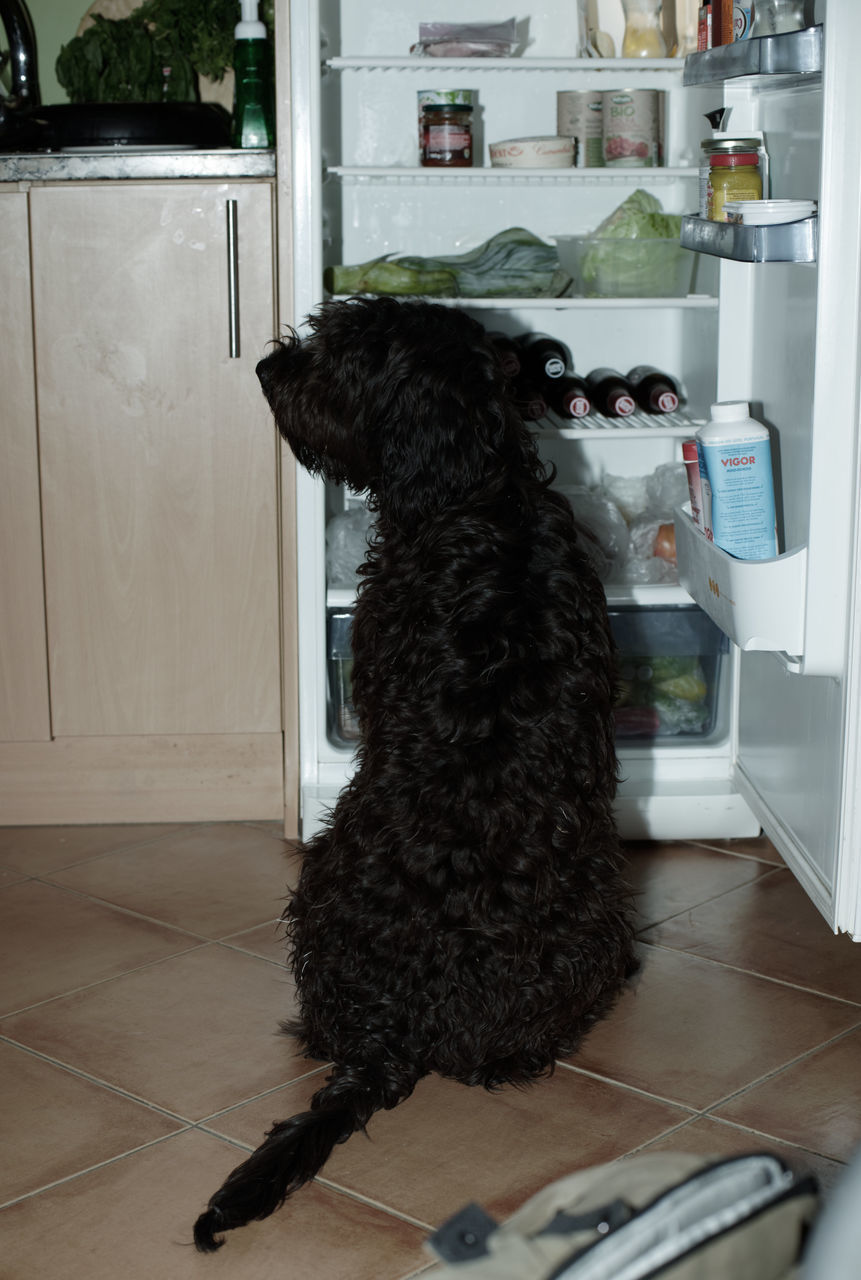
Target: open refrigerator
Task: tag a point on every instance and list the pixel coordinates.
(777, 642)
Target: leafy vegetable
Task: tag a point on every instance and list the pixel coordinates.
(203, 28)
(639, 216)
(122, 60)
(514, 263)
(646, 263)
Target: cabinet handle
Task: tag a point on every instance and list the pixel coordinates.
(232, 279)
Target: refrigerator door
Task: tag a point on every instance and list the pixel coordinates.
(789, 343)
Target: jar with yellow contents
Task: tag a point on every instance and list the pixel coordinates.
(733, 175)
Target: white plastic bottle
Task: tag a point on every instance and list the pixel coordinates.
(735, 452)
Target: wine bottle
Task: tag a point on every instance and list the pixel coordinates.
(508, 353)
(610, 393)
(543, 356)
(654, 391)
(568, 396)
(529, 399)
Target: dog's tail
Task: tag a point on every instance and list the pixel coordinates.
(296, 1149)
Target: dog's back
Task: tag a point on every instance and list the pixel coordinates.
(463, 912)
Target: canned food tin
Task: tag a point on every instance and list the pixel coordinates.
(630, 128)
(579, 115)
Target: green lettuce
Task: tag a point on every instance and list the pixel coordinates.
(639, 267)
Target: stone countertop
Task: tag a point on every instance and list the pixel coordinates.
(126, 163)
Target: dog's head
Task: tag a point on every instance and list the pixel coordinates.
(403, 398)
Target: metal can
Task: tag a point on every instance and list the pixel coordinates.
(579, 115)
(630, 128)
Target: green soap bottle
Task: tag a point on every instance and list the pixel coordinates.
(253, 99)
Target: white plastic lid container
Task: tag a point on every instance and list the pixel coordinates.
(763, 213)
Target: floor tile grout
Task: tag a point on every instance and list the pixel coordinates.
(99, 1164)
(101, 1083)
(752, 973)
(101, 982)
(702, 902)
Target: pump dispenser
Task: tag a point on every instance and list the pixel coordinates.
(253, 106)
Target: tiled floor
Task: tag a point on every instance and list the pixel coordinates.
(141, 987)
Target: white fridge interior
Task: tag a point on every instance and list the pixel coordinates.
(776, 745)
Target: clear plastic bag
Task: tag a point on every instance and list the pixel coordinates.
(604, 527)
(347, 545)
(466, 39)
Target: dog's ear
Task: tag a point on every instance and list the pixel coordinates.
(445, 427)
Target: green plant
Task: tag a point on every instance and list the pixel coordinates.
(124, 60)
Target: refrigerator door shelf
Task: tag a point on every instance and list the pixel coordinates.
(778, 242)
(758, 603)
(792, 53)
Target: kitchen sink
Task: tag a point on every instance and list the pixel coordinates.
(113, 126)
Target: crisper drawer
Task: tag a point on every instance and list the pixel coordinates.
(669, 666)
(670, 661)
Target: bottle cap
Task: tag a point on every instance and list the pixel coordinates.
(730, 410)
(250, 27)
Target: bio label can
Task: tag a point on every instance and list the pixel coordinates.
(630, 128)
(579, 115)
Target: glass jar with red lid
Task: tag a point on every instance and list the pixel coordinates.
(446, 135)
(733, 175)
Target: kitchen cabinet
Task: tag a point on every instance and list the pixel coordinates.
(159, 481)
(24, 711)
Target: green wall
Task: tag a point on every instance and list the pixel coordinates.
(55, 22)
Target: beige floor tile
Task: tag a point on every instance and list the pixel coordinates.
(693, 1031)
(53, 941)
(448, 1144)
(815, 1103)
(38, 850)
(54, 1123)
(210, 880)
(671, 877)
(192, 1035)
(132, 1220)
(717, 1139)
(769, 927)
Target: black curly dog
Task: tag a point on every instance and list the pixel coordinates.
(463, 912)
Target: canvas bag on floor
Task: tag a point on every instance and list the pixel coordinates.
(673, 1216)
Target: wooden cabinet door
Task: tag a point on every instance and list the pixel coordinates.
(24, 713)
(158, 458)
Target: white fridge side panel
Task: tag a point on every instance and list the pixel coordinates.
(803, 379)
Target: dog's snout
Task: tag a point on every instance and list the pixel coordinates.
(265, 372)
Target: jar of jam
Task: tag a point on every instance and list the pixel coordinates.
(446, 135)
(733, 175)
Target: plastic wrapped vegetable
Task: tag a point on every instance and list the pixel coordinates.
(661, 696)
(515, 263)
(637, 268)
